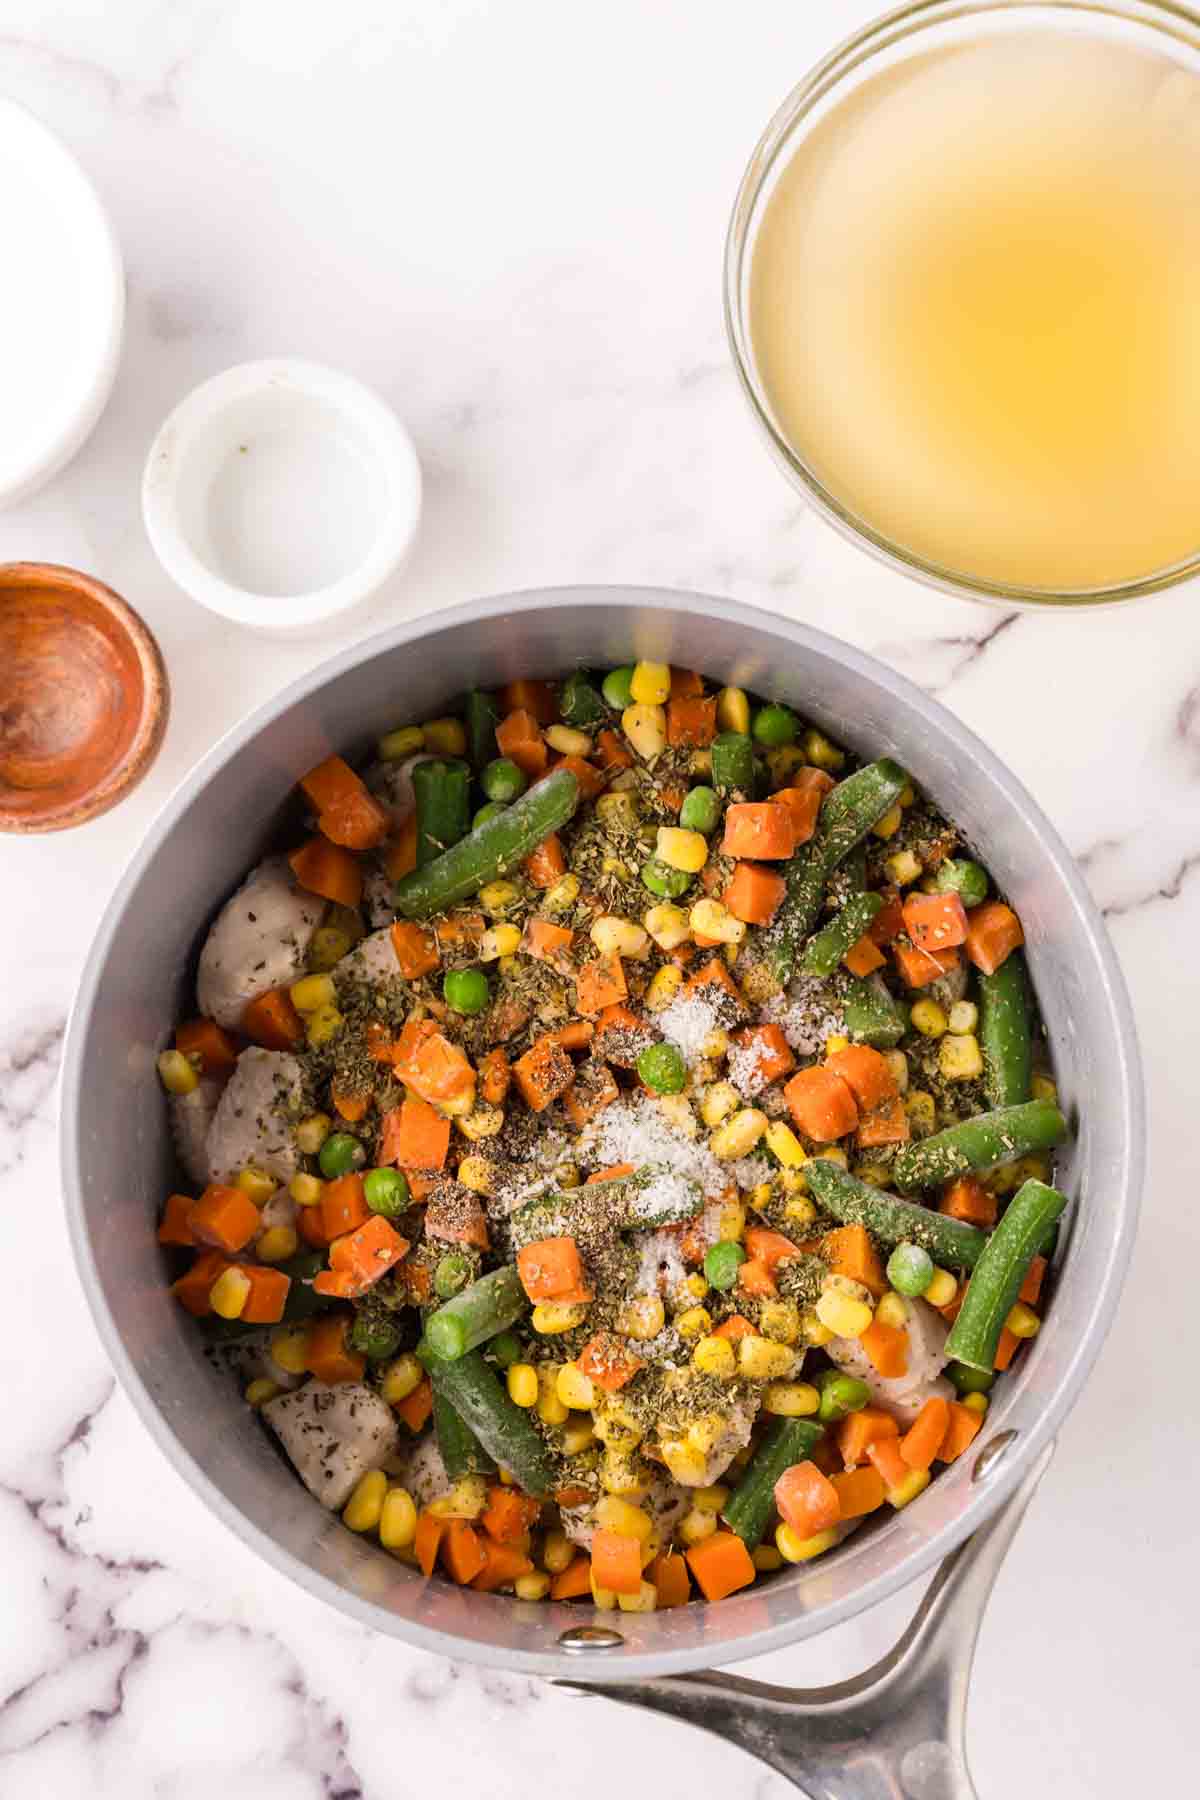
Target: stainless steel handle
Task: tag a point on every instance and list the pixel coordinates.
(895, 1732)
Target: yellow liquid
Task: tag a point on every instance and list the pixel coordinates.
(975, 309)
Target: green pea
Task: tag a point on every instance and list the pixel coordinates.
(721, 1265)
(661, 879)
(910, 1270)
(618, 687)
(374, 1336)
(841, 1394)
(969, 880)
(385, 1191)
(340, 1154)
(492, 810)
(506, 1349)
(451, 1275)
(700, 811)
(502, 780)
(466, 990)
(662, 1068)
(775, 726)
(969, 1381)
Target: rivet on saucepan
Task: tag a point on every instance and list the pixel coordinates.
(992, 1454)
(589, 1637)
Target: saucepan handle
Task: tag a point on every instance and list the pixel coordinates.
(895, 1732)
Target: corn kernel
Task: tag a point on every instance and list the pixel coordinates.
(790, 1399)
(621, 1475)
(550, 1408)
(976, 1403)
(401, 1377)
(497, 897)
(962, 1018)
(445, 737)
(558, 1552)
(907, 1490)
(261, 1390)
(739, 1135)
(394, 746)
(1042, 1088)
(477, 1173)
(617, 811)
(835, 1154)
(362, 1510)
(715, 1356)
(534, 1586)
(814, 1333)
(616, 1424)
(718, 1101)
(663, 988)
(795, 1549)
(397, 1519)
(646, 729)
(921, 1112)
(928, 1018)
(820, 751)
(312, 992)
(897, 1064)
(715, 1043)
(644, 1601)
(733, 710)
(731, 1222)
(798, 1209)
(695, 1526)
(498, 941)
(710, 919)
(562, 895)
(614, 936)
(760, 1194)
(695, 1322)
(1014, 1175)
(551, 1317)
(779, 1320)
(485, 1122)
(700, 763)
(650, 683)
(466, 1499)
(1022, 1321)
(257, 1184)
(844, 1317)
(903, 868)
(889, 825)
(766, 1559)
(311, 1132)
(460, 1106)
(614, 1514)
(891, 1311)
(677, 1110)
(229, 1293)
(643, 1317)
(276, 1244)
(288, 1349)
(783, 1143)
(960, 1058)
(686, 1462)
(567, 740)
(683, 850)
(876, 1175)
(667, 925)
(575, 1389)
(327, 946)
(759, 984)
(505, 1477)
(783, 764)
(941, 1289)
(761, 1360)
(836, 1043)
(176, 1073)
(578, 1435)
(323, 1026)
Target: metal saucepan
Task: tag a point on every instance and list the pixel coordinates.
(895, 1731)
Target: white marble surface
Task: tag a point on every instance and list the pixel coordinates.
(509, 218)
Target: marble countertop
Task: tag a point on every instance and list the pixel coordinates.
(510, 219)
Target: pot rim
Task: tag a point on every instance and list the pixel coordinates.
(1004, 1472)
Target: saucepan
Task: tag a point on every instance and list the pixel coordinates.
(895, 1731)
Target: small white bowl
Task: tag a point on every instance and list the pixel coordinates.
(281, 494)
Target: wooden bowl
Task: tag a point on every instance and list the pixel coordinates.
(83, 697)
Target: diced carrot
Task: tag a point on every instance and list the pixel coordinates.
(953, 1306)
(692, 720)
(416, 1408)
(352, 1107)
(859, 1491)
(591, 780)
(545, 865)
(540, 698)
(668, 1574)
(849, 1251)
(591, 1091)
(888, 922)
(576, 1034)
(1007, 1348)
(400, 857)
(620, 1036)
(617, 1561)
(430, 1532)
(770, 1049)
(756, 1280)
(494, 1077)
(462, 1553)
(328, 870)
(364, 1256)
(613, 1172)
(810, 777)
(599, 984)
(686, 684)
(437, 1070)
(962, 1426)
(721, 1565)
(608, 1362)
(224, 1217)
(311, 1228)
(824, 1455)
(545, 940)
(509, 1514)
(357, 823)
(807, 1500)
(865, 1073)
(412, 1036)
(714, 973)
(886, 1124)
(173, 1227)
(502, 1565)
(574, 1494)
(859, 1430)
(551, 1269)
(884, 1455)
(863, 958)
(421, 1137)
(918, 967)
(330, 782)
(575, 1581)
(754, 894)
(935, 921)
(923, 1439)
(613, 752)
(272, 1022)
(821, 1104)
(803, 804)
(887, 1347)
(543, 1073)
(268, 1294)
(192, 1289)
(966, 1198)
(520, 740)
(1031, 1287)
(343, 1205)
(735, 1328)
(760, 829)
(456, 1216)
(768, 1247)
(993, 933)
(204, 1041)
(326, 1354)
(416, 949)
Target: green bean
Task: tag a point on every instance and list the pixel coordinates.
(749, 1507)
(490, 850)
(462, 1453)
(487, 1306)
(505, 1430)
(579, 703)
(1005, 1035)
(733, 762)
(442, 791)
(871, 1014)
(481, 727)
(980, 1144)
(948, 1241)
(824, 952)
(993, 1288)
